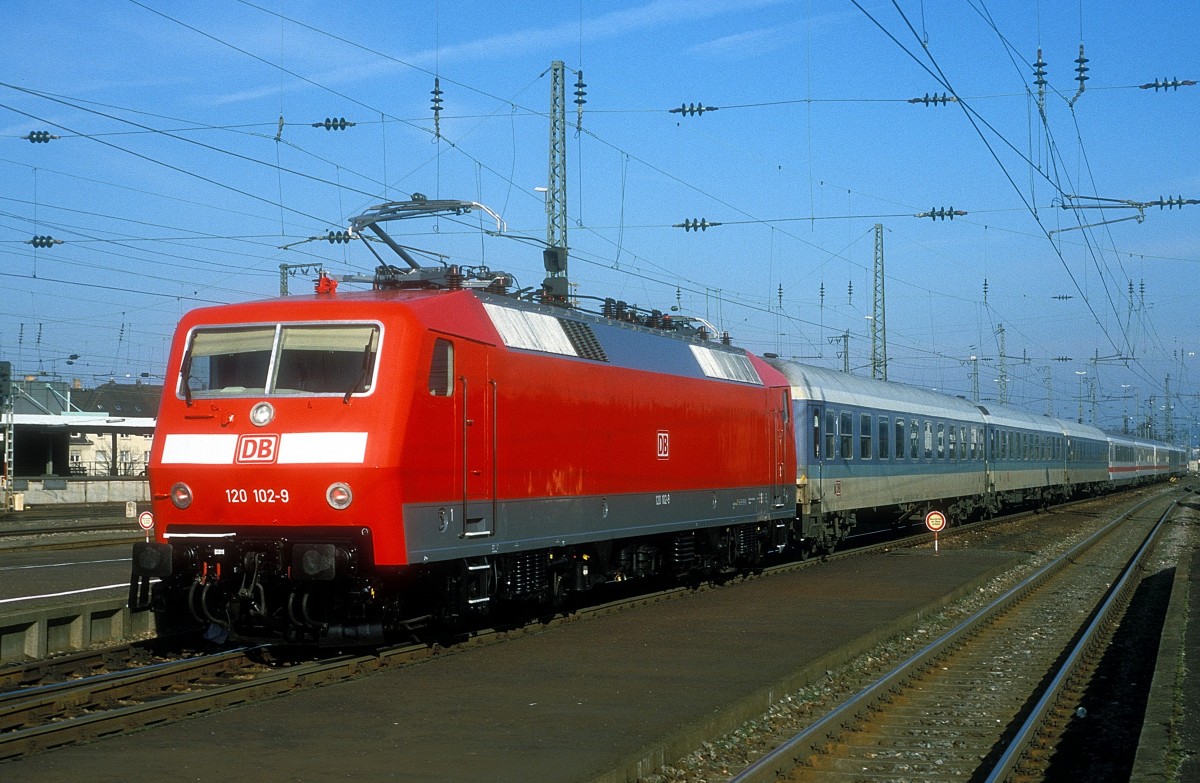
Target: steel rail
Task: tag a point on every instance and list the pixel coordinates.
(767, 766)
(17, 739)
(1118, 596)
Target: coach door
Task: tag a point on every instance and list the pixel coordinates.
(477, 435)
(782, 423)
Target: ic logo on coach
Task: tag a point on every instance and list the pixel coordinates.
(257, 448)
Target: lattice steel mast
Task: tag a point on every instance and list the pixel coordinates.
(878, 318)
(555, 286)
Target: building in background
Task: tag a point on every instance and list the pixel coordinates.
(66, 443)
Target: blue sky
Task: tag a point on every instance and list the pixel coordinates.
(172, 186)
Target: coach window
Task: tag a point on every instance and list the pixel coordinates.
(914, 439)
(899, 438)
(816, 434)
(830, 434)
(929, 440)
(885, 430)
(953, 443)
(846, 433)
(441, 369)
(941, 441)
(864, 436)
(962, 443)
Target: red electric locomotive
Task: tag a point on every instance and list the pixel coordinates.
(331, 467)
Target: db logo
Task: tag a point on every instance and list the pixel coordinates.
(257, 448)
(664, 444)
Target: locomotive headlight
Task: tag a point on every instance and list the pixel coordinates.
(339, 495)
(181, 495)
(262, 414)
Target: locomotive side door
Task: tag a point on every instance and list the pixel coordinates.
(476, 430)
(780, 443)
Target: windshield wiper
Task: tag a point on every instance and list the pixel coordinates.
(362, 374)
(186, 371)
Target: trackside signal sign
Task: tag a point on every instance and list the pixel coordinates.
(935, 521)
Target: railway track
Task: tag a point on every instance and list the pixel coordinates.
(51, 703)
(58, 701)
(67, 699)
(39, 717)
(987, 700)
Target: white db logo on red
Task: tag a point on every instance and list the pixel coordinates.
(257, 448)
(664, 444)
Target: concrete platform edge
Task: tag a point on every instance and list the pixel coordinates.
(651, 758)
(1160, 740)
(69, 540)
(64, 628)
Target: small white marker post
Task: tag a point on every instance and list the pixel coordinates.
(935, 521)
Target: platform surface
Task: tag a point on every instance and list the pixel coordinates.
(569, 704)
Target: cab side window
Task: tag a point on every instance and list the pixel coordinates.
(441, 369)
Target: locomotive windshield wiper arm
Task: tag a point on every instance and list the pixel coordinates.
(362, 374)
(186, 371)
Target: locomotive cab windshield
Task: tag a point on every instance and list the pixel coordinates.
(280, 359)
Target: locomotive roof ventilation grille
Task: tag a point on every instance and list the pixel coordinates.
(533, 331)
(725, 365)
(584, 340)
